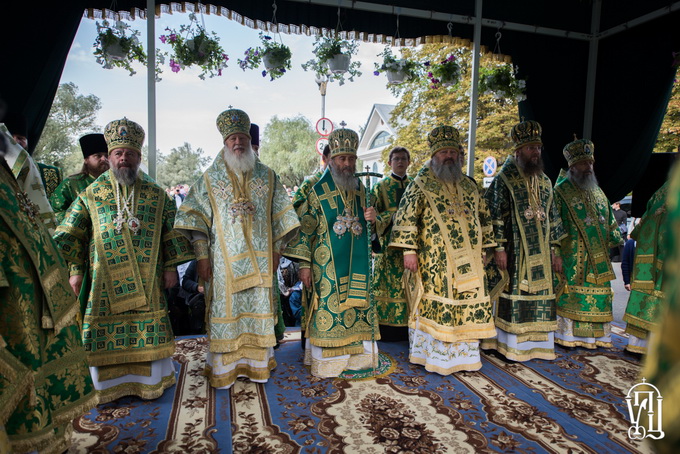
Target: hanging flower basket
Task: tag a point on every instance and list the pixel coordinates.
(501, 82)
(334, 59)
(398, 70)
(118, 46)
(445, 73)
(193, 46)
(275, 57)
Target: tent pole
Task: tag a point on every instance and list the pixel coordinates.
(592, 70)
(476, 50)
(151, 83)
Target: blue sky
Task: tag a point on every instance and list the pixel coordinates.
(188, 106)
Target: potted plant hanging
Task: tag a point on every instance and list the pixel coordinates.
(192, 45)
(501, 82)
(118, 45)
(444, 73)
(334, 58)
(274, 56)
(397, 70)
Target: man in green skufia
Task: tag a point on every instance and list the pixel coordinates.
(95, 162)
(44, 378)
(528, 228)
(646, 292)
(333, 251)
(239, 219)
(122, 224)
(389, 295)
(584, 301)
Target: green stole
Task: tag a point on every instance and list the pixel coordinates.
(116, 252)
(467, 276)
(535, 273)
(590, 227)
(349, 252)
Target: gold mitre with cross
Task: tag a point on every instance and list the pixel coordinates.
(443, 137)
(124, 133)
(526, 133)
(579, 150)
(233, 121)
(343, 142)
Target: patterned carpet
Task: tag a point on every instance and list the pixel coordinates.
(572, 405)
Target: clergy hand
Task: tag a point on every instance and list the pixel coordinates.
(501, 258)
(204, 270)
(201, 289)
(557, 263)
(170, 279)
(305, 275)
(370, 214)
(76, 282)
(627, 287)
(411, 262)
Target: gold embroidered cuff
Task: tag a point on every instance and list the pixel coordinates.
(75, 269)
(305, 265)
(499, 249)
(201, 249)
(410, 252)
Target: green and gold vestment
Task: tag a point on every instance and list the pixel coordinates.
(662, 364)
(646, 292)
(242, 294)
(51, 177)
(300, 196)
(389, 265)
(67, 191)
(339, 317)
(586, 296)
(44, 377)
(448, 226)
(526, 298)
(126, 324)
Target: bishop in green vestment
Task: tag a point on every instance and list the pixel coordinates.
(122, 224)
(239, 218)
(646, 290)
(95, 162)
(44, 378)
(584, 304)
(527, 227)
(333, 251)
(442, 228)
(389, 264)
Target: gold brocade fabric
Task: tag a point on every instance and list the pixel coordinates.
(448, 227)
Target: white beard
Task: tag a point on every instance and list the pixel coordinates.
(240, 163)
(448, 173)
(585, 182)
(344, 180)
(126, 175)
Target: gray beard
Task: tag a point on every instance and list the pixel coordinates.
(581, 181)
(528, 168)
(344, 180)
(448, 173)
(240, 163)
(126, 175)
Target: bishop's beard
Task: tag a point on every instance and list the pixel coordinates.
(582, 180)
(343, 177)
(126, 175)
(528, 167)
(240, 163)
(449, 171)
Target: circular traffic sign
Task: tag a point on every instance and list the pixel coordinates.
(490, 166)
(324, 126)
(321, 143)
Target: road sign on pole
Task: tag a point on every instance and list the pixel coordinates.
(321, 143)
(324, 126)
(490, 166)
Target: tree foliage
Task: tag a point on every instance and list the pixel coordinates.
(182, 166)
(289, 149)
(72, 115)
(669, 134)
(421, 108)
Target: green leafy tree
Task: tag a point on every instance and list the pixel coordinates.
(288, 147)
(72, 115)
(421, 108)
(182, 166)
(669, 134)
